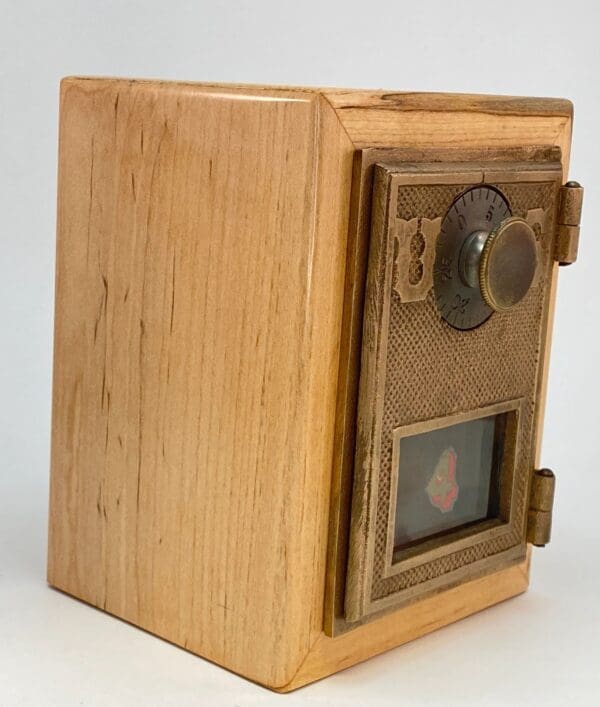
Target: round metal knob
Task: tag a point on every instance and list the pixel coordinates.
(502, 263)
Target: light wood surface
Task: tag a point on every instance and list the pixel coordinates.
(427, 120)
(330, 655)
(201, 258)
(201, 242)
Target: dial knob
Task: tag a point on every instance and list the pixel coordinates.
(485, 260)
(501, 263)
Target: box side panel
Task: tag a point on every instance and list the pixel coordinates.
(197, 325)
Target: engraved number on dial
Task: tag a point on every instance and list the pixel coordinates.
(480, 208)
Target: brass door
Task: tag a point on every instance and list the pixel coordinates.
(448, 387)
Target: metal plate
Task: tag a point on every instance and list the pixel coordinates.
(416, 369)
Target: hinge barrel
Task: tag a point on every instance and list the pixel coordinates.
(569, 218)
(541, 500)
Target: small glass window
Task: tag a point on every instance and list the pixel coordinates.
(448, 478)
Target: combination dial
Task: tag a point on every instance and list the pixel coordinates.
(485, 258)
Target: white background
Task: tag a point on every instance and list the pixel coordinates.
(542, 648)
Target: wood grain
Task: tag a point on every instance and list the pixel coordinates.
(201, 263)
(421, 120)
(200, 270)
(330, 655)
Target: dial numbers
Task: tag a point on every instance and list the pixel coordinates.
(480, 208)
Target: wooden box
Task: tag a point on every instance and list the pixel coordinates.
(208, 481)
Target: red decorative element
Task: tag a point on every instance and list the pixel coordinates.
(443, 489)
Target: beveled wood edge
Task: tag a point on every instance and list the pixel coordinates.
(556, 113)
(330, 655)
(229, 89)
(367, 98)
(334, 165)
(419, 101)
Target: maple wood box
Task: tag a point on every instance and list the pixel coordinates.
(294, 424)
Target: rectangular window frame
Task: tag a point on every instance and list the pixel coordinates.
(479, 531)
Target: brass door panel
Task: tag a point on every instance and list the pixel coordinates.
(419, 373)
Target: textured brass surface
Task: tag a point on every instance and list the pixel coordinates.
(570, 204)
(415, 254)
(542, 220)
(508, 264)
(413, 369)
(567, 244)
(539, 517)
(569, 216)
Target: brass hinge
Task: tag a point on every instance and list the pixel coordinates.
(569, 217)
(541, 500)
